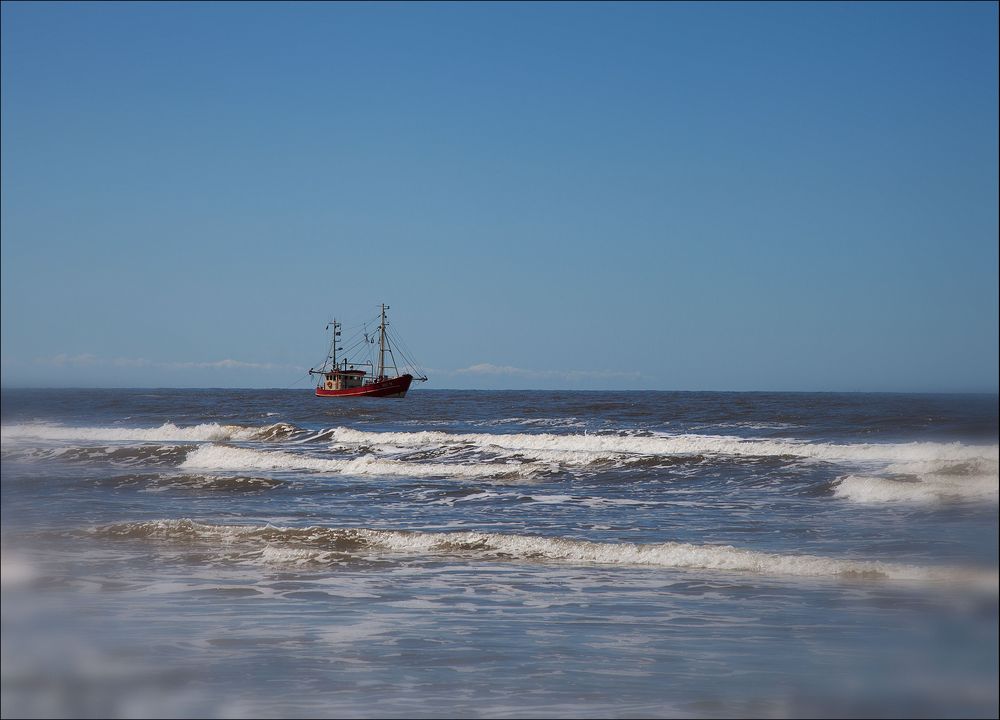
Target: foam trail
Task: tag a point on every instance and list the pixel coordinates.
(223, 457)
(679, 445)
(315, 544)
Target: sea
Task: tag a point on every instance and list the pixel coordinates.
(268, 553)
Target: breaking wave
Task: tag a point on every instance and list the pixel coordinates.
(224, 457)
(168, 432)
(547, 445)
(924, 482)
(882, 472)
(316, 544)
(692, 445)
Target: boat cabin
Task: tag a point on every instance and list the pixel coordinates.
(343, 379)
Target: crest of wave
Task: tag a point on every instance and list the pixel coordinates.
(318, 544)
(679, 445)
(925, 481)
(205, 432)
(223, 457)
(925, 489)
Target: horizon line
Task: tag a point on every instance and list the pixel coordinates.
(508, 390)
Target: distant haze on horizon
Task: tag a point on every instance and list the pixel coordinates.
(613, 196)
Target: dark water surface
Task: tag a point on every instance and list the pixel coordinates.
(500, 554)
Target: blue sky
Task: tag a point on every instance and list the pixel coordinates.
(610, 196)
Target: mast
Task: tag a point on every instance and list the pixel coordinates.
(335, 334)
(381, 344)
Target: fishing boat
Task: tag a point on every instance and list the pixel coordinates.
(355, 374)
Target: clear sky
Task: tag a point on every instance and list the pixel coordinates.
(728, 196)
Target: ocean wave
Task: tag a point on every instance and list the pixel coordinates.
(572, 448)
(154, 482)
(168, 432)
(923, 489)
(117, 455)
(566, 422)
(313, 544)
(224, 457)
(876, 476)
(591, 446)
(747, 425)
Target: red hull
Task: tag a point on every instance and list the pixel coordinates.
(393, 387)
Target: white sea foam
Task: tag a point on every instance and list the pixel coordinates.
(168, 432)
(592, 501)
(296, 556)
(925, 481)
(930, 488)
(317, 544)
(550, 499)
(473, 497)
(591, 446)
(224, 457)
